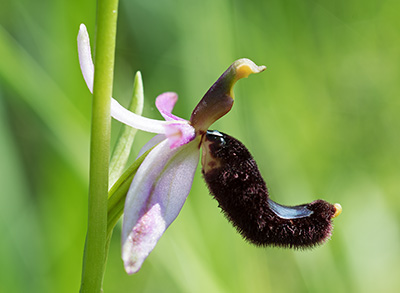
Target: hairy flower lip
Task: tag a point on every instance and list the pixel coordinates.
(235, 181)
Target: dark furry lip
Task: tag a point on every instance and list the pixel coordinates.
(235, 182)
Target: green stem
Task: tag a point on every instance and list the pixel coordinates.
(96, 239)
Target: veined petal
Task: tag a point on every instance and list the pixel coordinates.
(219, 98)
(155, 198)
(117, 111)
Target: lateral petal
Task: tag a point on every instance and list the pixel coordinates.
(165, 104)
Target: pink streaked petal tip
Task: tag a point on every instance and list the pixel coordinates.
(165, 104)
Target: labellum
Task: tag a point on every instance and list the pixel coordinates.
(235, 182)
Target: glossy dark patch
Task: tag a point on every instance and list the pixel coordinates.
(235, 182)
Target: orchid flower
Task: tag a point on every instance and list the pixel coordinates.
(164, 179)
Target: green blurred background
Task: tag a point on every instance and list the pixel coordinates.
(322, 122)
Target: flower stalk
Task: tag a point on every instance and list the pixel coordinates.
(96, 239)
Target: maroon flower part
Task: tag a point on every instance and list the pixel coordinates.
(235, 182)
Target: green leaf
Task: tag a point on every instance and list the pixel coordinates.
(124, 143)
